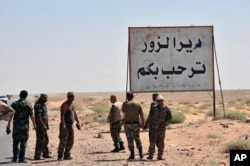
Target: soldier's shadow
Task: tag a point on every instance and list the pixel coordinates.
(123, 159)
(43, 161)
(111, 160)
(98, 152)
(6, 162)
(12, 163)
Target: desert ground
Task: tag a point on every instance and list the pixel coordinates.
(197, 141)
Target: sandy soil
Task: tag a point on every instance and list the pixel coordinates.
(197, 141)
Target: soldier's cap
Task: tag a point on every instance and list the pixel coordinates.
(159, 97)
(70, 94)
(155, 94)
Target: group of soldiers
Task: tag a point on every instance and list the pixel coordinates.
(21, 110)
(130, 114)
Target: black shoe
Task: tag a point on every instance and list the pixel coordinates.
(121, 146)
(22, 161)
(140, 153)
(132, 155)
(67, 158)
(115, 150)
(14, 159)
(150, 157)
(47, 157)
(160, 158)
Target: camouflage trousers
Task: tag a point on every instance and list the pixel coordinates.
(156, 137)
(132, 132)
(66, 137)
(42, 141)
(115, 132)
(19, 137)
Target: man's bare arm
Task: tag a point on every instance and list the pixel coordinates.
(64, 108)
(33, 121)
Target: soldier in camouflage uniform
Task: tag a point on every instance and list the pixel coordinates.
(159, 118)
(115, 122)
(66, 135)
(132, 112)
(42, 125)
(20, 135)
(152, 104)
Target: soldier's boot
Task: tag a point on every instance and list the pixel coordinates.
(37, 157)
(159, 157)
(14, 159)
(121, 146)
(150, 157)
(132, 155)
(116, 149)
(140, 152)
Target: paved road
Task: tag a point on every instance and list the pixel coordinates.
(6, 148)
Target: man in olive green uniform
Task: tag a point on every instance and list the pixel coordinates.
(115, 122)
(159, 117)
(42, 125)
(66, 135)
(152, 104)
(20, 135)
(132, 113)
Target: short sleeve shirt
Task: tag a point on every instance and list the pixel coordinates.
(131, 110)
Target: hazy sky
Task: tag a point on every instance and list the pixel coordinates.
(78, 45)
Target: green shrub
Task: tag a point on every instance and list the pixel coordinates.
(233, 115)
(248, 102)
(205, 106)
(232, 104)
(100, 119)
(219, 112)
(236, 145)
(212, 136)
(177, 117)
(55, 109)
(101, 107)
(78, 107)
(236, 115)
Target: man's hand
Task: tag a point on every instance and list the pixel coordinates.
(8, 131)
(78, 126)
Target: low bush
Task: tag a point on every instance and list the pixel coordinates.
(236, 145)
(101, 107)
(177, 117)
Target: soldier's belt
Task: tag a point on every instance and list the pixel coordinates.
(117, 122)
(131, 122)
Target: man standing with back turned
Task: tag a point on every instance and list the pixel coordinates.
(66, 135)
(132, 112)
(20, 135)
